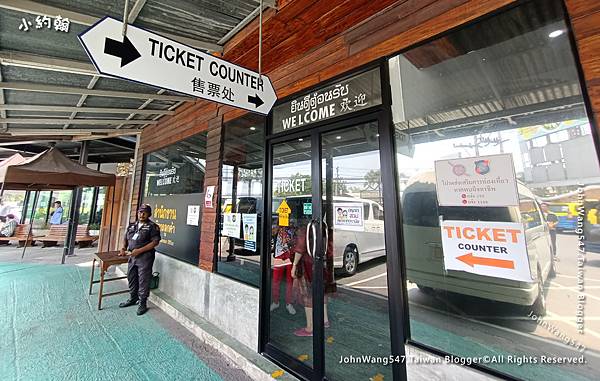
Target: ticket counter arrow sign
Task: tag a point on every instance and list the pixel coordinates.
(472, 260)
(124, 50)
(149, 58)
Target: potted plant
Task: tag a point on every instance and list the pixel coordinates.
(94, 229)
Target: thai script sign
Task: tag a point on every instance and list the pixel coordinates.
(349, 95)
(477, 181)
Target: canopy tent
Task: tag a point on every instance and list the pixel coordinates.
(14, 159)
(49, 170)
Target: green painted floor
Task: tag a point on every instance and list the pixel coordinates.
(359, 326)
(51, 330)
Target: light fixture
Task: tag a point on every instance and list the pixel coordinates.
(338, 137)
(300, 139)
(252, 128)
(556, 33)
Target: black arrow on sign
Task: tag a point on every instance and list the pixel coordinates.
(256, 100)
(124, 50)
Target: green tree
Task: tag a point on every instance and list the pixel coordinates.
(373, 179)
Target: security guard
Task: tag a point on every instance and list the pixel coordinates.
(141, 238)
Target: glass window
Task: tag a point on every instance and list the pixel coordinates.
(174, 188)
(367, 210)
(97, 218)
(85, 210)
(242, 199)
(498, 106)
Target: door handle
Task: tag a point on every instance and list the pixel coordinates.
(311, 228)
(324, 253)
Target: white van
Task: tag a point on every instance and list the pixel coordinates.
(425, 259)
(351, 246)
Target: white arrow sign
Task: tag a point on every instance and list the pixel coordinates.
(149, 58)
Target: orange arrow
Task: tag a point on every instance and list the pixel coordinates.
(471, 260)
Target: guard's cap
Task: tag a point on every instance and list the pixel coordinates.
(145, 208)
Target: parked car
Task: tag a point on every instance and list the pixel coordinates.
(591, 228)
(351, 247)
(566, 213)
(424, 253)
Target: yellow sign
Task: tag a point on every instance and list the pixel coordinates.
(284, 213)
(284, 220)
(284, 208)
(278, 373)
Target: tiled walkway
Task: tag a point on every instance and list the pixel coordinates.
(51, 330)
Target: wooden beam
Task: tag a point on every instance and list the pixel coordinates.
(74, 121)
(71, 131)
(83, 98)
(9, 57)
(30, 86)
(97, 110)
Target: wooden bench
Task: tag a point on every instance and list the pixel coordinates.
(20, 236)
(58, 233)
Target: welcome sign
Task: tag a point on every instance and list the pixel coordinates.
(349, 95)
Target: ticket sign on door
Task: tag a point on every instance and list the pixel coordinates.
(496, 249)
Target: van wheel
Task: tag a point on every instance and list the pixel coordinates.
(350, 261)
(539, 306)
(426, 290)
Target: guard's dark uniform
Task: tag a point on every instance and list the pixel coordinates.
(139, 271)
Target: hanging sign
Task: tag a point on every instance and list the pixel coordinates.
(349, 95)
(283, 212)
(149, 58)
(477, 181)
(496, 249)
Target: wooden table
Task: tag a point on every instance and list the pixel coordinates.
(106, 259)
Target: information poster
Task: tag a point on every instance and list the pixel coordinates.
(208, 196)
(348, 216)
(250, 230)
(232, 223)
(193, 215)
(495, 249)
(477, 181)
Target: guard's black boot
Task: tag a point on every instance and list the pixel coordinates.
(142, 308)
(128, 302)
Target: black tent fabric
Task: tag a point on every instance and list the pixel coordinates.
(51, 170)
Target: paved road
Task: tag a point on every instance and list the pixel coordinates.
(561, 294)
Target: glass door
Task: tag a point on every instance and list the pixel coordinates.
(328, 302)
(292, 257)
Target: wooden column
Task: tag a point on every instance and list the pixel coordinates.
(210, 218)
(585, 19)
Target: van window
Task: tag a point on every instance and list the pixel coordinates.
(474, 213)
(420, 209)
(377, 212)
(530, 213)
(366, 205)
(559, 208)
